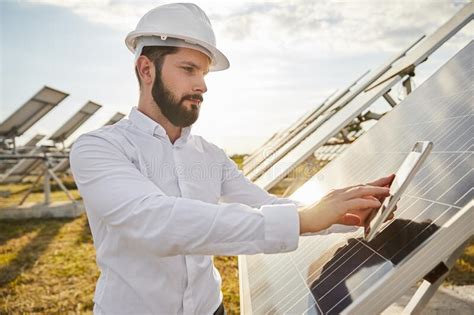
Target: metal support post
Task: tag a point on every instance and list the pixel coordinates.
(47, 185)
(60, 183)
(408, 85)
(389, 99)
(431, 283)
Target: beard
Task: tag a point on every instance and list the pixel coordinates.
(172, 107)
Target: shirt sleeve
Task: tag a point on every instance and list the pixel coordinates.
(135, 211)
(284, 220)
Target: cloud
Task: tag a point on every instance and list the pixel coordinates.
(348, 26)
(331, 26)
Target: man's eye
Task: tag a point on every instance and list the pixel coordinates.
(188, 69)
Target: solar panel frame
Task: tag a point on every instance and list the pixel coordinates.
(428, 46)
(31, 112)
(73, 123)
(272, 172)
(423, 262)
(443, 201)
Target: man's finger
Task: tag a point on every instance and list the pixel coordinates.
(361, 204)
(384, 181)
(364, 191)
(350, 219)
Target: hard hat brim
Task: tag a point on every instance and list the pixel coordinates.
(218, 60)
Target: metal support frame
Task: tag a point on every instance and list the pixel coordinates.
(371, 116)
(431, 283)
(389, 99)
(47, 184)
(407, 84)
(10, 143)
(47, 175)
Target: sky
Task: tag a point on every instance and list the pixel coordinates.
(286, 57)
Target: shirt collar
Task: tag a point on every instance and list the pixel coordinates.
(151, 127)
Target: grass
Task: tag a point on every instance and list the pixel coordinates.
(48, 266)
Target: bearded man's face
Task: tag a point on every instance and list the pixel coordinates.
(178, 87)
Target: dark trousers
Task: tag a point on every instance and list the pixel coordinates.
(220, 310)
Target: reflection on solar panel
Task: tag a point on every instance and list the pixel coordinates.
(115, 118)
(32, 111)
(272, 172)
(75, 122)
(341, 272)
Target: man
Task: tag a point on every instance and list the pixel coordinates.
(160, 201)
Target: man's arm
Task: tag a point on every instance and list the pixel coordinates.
(135, 210)
(346, 206)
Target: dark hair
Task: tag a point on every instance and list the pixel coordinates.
(157, 55)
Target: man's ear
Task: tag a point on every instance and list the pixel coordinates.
(146, 70)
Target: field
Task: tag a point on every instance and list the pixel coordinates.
(48, 266)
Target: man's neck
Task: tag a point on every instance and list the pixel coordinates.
(153, 112)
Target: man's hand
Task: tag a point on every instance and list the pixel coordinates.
(363, 214)
(349, 206)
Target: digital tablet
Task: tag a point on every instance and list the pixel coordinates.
(403, 177)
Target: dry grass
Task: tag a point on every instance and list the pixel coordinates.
(48, 266)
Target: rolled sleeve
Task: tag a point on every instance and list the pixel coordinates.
(281, 228)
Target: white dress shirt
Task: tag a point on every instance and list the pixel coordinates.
(158, 211)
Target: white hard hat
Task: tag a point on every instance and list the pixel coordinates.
(178, 25)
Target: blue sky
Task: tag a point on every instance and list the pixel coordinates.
(286, 57)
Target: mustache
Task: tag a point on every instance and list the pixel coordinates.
(193, 97)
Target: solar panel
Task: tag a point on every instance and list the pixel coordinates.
(115, 118)
(75, 122)
(269, 150)
(330, 110)
(272, 171)
(63, 165)
(30, 112)
(278, 137)
(341, 272)
(274, 139)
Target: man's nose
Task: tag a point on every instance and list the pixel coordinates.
(200, 86)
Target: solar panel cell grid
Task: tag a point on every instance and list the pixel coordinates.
(338, 269)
